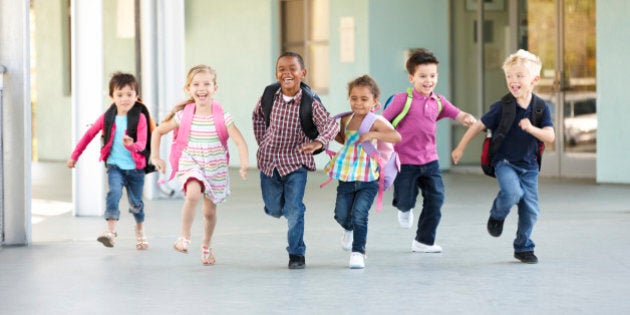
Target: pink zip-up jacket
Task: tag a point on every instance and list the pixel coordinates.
(135, 148)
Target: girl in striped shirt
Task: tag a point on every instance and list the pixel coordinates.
(356, 171)
(199, 156)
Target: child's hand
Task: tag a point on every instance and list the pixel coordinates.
(309, 148)
(469, 120)
(127, 140)
(457, 155)
(243, 170)
(366, 136)
(525, 124)
(159, 164)
(71, 163)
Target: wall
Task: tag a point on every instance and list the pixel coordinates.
(397, 25)
(51, 82)
(233, 37)
(613, 133)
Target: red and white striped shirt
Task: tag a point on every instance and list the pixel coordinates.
(279, 144)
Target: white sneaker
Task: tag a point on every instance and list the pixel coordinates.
(418, 247)
(357, 261)
(405, 219)
(346, 240)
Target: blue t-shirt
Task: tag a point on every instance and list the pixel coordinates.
(119, 155)
(518, 147)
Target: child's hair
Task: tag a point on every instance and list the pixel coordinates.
(365, 80)
(525, 58)
(420, 56)
(119, 80)
(292, 54)
(191, 74)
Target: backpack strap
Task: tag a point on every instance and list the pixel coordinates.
(219, 124)
(180, 137)
(306, 107)
(508, 113)
(407, 106)
(108, 121)
(372, 152)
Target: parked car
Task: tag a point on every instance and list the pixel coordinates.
(580, 119)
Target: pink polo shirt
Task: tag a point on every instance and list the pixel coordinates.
(419, 127)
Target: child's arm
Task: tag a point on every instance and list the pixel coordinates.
(381, 130)
(141, 136)
(243, 155)
(545, 134)
(341, 135)
(156, 136)
(465, 119)
(474, 130)
(258, 121)
(85, 140)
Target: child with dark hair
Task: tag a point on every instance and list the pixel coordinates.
(420, 169)
(126, 131)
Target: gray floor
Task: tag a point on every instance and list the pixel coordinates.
(583, 243)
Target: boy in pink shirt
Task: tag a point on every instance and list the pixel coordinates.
(420, 170)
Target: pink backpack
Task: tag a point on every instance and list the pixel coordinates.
(181, 133)
(383, 154)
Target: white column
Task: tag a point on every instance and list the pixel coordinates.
(88, 186)
(15, 123)
(171, 69)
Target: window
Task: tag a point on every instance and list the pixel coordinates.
(305, 30)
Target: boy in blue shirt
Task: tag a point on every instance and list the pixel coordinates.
(515, 163)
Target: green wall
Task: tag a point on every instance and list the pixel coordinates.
(613, 133)
(397, 25)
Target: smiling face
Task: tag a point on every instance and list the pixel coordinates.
(520, 80)
(424, 78)
(124, 98)
(289, 73)
(202, 87)
(361, 99)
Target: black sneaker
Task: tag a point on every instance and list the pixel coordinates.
(495, 227)
(526, 257)
(296, 262)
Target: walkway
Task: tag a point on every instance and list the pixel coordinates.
(583, 243)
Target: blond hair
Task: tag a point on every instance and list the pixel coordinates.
(189, 77)
(525, 58)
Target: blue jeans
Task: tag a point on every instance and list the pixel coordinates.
(133, 180)
(354, 200)
(518, 186)
(283, 196)
(426, 178)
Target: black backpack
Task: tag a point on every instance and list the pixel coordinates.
(492, 142)
(132, 128)
(306, 108)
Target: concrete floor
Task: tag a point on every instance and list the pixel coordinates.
(582, 237)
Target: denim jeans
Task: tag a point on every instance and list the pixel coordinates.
(354, 200)
(283, 196)
(518, 186)
(133, 180)
(426, 178)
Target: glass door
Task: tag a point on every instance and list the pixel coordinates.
(562, 33)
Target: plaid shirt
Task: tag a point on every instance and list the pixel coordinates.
(279, 144)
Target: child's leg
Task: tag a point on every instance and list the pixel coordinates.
(343, 204)
(364, 198)
(433, 198)
(115, 181)
(510, 190)
(135, 188)
(193, 192)
(272, 189)
(293, 210)
(528, 211)
(210, 221)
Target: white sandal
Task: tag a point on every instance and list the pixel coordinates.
(181, 245)
(141, 240)
(207, 256)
